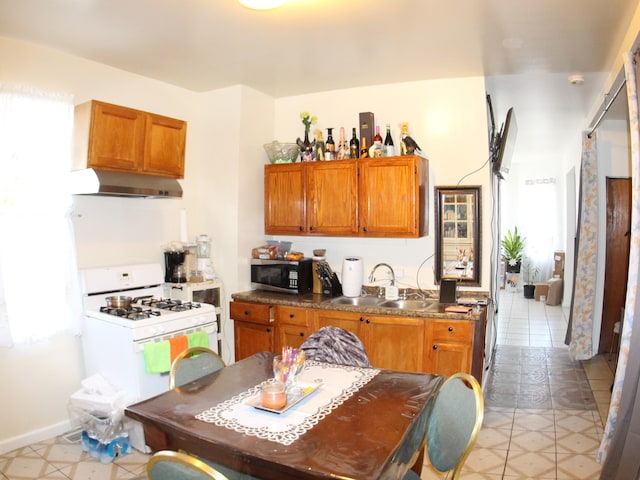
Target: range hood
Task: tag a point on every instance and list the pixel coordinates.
(91, 181)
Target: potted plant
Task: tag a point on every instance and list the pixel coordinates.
(512, 250)
(530, 273)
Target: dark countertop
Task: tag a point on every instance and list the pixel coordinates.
(317, 301)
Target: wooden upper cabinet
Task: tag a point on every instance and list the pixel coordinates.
(332, 198)
(164, 146)
(284, 199)
(112, 137)
(392, 197)
(378, 197)
(116, 137)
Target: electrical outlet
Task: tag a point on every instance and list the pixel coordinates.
(399, 273)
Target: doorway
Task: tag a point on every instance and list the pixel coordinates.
(616, 257)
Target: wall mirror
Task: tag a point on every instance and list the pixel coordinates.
(457, 232)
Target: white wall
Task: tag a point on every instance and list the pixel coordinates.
(118, 230)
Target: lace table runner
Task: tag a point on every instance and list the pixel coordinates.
(339, 382)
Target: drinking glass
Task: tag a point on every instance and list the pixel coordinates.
(280, 369)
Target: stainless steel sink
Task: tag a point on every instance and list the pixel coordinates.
(357, 301)
(412, 304)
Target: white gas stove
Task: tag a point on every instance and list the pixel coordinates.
(114, 339)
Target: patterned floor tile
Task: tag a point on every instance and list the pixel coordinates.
(583, 467)
(540, 465)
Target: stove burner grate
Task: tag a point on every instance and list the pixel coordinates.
(132, 313)
(169, 304)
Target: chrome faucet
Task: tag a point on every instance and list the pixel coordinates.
(393, 275)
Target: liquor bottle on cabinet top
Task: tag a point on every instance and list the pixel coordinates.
(377, 137)
(390, 148)
(364, 151)
(377, 148)
(330, 145)
(354, 145)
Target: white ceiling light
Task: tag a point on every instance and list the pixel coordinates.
(261, 4)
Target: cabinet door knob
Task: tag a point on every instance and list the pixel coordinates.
(246, 313)
(364, 229)
(302, 334)
(268, 330)
(291, 315)
(435, 347)
(361, 319)
(450, 329)
(368, 321)
(301, 228)
(311, 228)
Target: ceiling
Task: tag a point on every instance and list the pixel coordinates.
(318, 45)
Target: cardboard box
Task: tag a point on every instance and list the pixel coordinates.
(542, 289)
(558, 264)
(367, 128)
(554, 297)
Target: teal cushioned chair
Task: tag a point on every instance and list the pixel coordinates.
(193, 363)
(454, 423)
(169, 465)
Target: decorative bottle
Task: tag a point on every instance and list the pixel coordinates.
(320, 148)
(377, 149)
(404, 132)
(343, 148)
(354, 145)
(390, 149)
(330, 146)
(364, 151)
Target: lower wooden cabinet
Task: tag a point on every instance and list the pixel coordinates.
(254, 328)
(449, 346)
(414, 344)
(294, 326)
(390, 342)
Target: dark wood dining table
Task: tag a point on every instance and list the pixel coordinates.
(377, 433)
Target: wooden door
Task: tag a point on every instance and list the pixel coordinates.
(616, 256)
(389, 197)
(165, 146)
(284, 199)
(116, 138)
(252, 338)
(294, 326)
(332, 198)
(395, 342)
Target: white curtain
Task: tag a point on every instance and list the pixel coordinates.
(619, 447)
(39, 294)
(579, 335)
(541, 226)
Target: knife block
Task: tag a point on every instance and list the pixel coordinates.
(317, 283)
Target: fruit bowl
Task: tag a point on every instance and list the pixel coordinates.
(282, 152)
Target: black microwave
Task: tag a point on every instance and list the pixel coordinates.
(282, 275)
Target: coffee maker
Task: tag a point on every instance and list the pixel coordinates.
(174, 269)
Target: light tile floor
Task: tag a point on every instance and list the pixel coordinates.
(543, 417)
(544, 412)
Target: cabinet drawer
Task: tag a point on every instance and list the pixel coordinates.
(293, 316)
(251, 312)
(458, 330)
